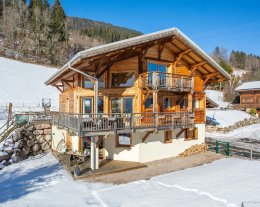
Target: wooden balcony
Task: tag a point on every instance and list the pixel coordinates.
(166, 81)
(91, 124)
(247, 105)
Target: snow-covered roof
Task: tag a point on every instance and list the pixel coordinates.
(103, 49)
(249, 86)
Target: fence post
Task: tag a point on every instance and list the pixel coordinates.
(228, 149)
(251, 153)
(217, 146)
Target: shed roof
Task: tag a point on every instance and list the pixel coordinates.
(249, 86)
(135, 41)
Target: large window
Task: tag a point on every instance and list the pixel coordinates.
(87, 83)
(122, 105)
(124, 140)
(122, 79)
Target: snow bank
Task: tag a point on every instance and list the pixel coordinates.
(252, 132)
(217, 96)
(226, 182)
(41, 181)
(23, 84)
(227, 117)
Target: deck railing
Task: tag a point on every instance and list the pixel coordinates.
(87, 123)
(166, 81)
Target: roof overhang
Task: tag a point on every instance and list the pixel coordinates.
(135, 41)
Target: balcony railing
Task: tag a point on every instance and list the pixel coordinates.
(166, 81)
(89, 123)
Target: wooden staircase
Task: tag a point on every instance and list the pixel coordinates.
(7, 128)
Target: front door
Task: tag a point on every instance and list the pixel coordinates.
(87, 105)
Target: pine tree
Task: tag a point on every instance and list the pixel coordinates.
(58, 24)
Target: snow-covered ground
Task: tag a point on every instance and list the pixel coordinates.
(22, 84)
(42, 181)
(227, 117)
(251, 132)
(217, 97)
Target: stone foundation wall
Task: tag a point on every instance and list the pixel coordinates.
(29, 140)
(243, 123)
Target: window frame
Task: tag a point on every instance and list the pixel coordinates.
(126, 71)
(118, 145)
(195, 134)
(122, 103)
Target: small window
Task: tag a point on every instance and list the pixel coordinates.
(191, 133)
(100, 105)
(124, 140)
(122, 105)
(183, 103)
(196, 104)
(167, 103)
(148, 104)
(168, 137)
(123, 79)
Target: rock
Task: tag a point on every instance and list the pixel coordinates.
(26, 132)
(40, 139)
(36, 148)
(47, 131)
(19, 144)
(31, 128)
(17, 159)
(38, 132)
(30, 143)
(17, 135)
(26, 150)
(45, 146)
(5, 163)
(48, 137)
(31, 136)
(8, 150)
(43, 126)
(4, 156)
(1, 166)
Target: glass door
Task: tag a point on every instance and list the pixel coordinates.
(87, 105)
(161, 74)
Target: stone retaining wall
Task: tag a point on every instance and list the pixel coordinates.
(26, 141)
(243, 123)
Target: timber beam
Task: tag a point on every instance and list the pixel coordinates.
(179, 57)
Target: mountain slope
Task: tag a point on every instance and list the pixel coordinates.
(23, 84)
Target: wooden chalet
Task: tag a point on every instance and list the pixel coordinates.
(140, 99)
(249, 96)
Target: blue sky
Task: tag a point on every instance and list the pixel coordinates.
(233, 24)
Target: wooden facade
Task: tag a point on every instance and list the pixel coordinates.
(147, 86)
(249, 99)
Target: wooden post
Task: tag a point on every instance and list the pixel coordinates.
(10, 114)
(92, 154)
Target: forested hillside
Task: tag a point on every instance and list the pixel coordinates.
(36, 31)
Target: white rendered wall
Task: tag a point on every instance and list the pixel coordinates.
(153, 148)
(60, 134)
